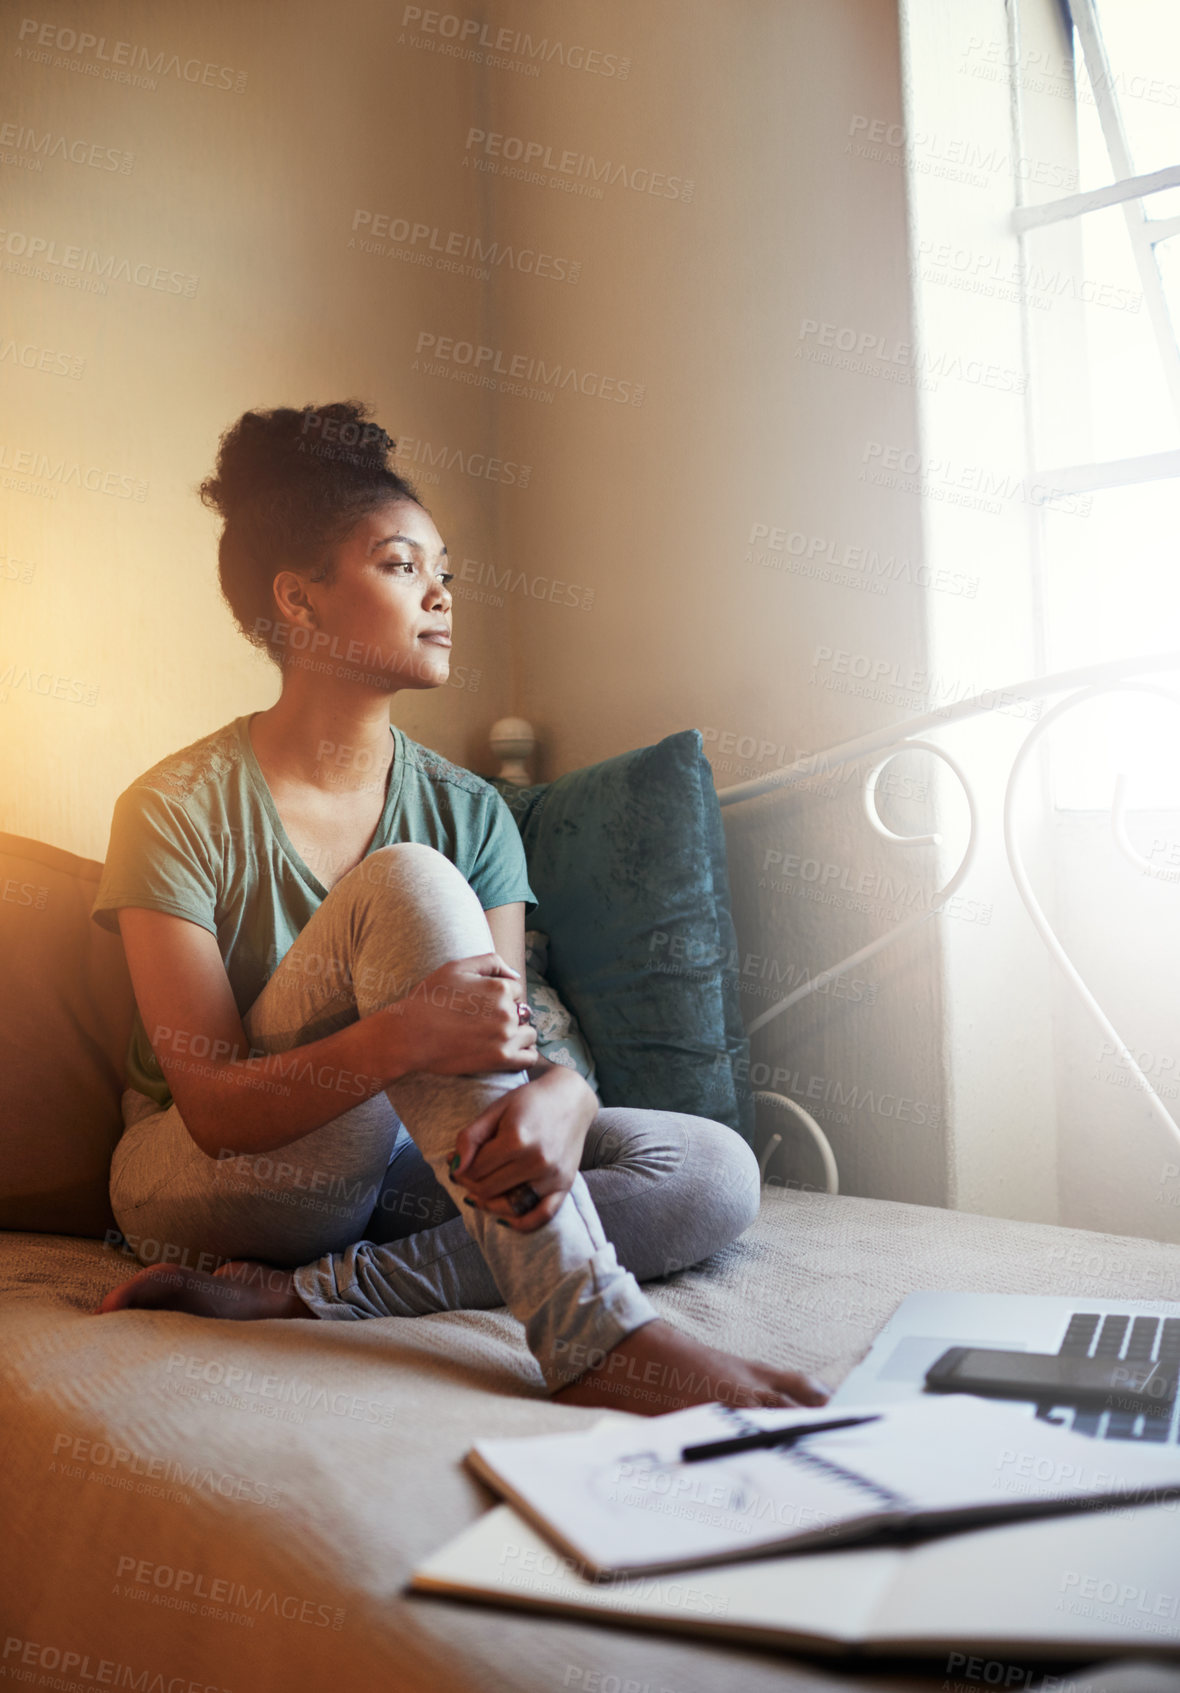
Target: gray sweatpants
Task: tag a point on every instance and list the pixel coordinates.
(361, 1207)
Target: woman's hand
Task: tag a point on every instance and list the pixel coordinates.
(461, 1020)
(534, 1134)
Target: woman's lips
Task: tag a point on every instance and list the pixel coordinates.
(436, 637)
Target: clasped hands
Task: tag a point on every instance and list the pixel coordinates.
(463, 1019)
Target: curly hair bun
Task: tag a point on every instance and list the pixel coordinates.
(290, 485)
(265, 452)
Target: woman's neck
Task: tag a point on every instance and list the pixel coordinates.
(324, 739)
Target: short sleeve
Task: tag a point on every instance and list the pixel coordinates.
(499, 873)
(156, 859)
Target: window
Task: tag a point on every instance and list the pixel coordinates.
(1102, 307)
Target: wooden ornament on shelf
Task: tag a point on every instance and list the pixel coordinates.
(513, 741)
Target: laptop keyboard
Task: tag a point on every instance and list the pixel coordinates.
(1135, 1340)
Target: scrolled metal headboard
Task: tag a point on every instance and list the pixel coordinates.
(882, 746)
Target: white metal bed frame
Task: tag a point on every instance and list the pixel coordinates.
(1129, 191)
(881, 746)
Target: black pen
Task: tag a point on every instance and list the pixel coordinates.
(767, 1437)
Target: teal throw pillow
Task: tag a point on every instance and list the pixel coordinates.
(627, 860)
(559, 1038)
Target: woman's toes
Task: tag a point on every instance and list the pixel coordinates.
(263, 1280)
(162, 1287)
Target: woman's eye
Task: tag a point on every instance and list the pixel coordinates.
(445, 577)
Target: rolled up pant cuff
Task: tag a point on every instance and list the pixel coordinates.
(608, 1321)
(574, 1298)
(326, 1289)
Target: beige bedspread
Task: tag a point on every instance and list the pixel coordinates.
(238, 1506)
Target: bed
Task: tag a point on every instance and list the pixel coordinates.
(190, 1505)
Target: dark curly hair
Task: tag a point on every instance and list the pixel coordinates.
(290, 485)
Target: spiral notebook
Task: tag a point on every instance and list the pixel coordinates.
(1099, 1583)
(618, 1499)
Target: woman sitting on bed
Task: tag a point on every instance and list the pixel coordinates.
(324, 924)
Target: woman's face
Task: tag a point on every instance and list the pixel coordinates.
(385, 618)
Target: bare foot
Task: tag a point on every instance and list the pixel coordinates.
(656, 1368)
(240, 1290)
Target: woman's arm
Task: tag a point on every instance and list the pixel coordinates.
(534, 1134)
(233, 1103)
(507, 925)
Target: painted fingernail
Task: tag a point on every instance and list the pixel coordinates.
(470, 1202)
(502, 1224)
(454, 1163)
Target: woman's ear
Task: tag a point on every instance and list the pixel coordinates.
(292, 600)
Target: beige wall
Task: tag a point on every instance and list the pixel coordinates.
(640, 512)
(253, 194)
(704, 304)
(679, 605)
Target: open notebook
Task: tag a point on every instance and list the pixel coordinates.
(618, 1500)
(1102, 1583)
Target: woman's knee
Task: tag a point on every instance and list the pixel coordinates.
(149, 1240)
(402, 866)
(430, 899)
(702, 1176)
(725, 1173)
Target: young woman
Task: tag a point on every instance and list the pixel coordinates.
(324, 925)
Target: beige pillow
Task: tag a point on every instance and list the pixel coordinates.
(66, 1005)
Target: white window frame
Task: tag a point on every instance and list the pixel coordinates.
(1130, 192)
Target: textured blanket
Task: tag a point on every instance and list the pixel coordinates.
(191, 1504)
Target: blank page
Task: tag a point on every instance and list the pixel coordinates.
(1097, 1581)
(813, 1598)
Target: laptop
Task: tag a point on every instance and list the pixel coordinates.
(926, 1324)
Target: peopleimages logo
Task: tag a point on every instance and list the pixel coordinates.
(72, 689)
(845, 348)
(958, 158)
(140, 1576)
(50, 361)
(37, 250)
(484, 43)
(482, 573)
(516, 149)
(995, 275)
(980, 486)
(116, 55)
(492, 367)
(817, 555)
(70, 473)
(316, 651)
(925, 688)
(425, 457)
(72, 1452)
(429, 245)
(20, 1654)
(39, 146)
(121, 58)
(1045, 72)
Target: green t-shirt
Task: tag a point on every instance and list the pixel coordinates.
(199, 836)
